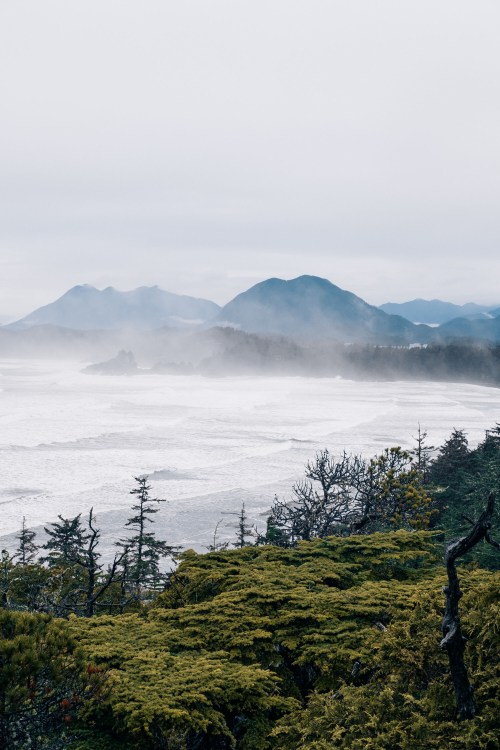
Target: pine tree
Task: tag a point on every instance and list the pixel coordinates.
(143, 551)
(66, 540)
(452, 459)
(422, 454)
(243, 530)
(274, 534)
(27, 549)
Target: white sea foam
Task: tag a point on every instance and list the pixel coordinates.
(70, 441)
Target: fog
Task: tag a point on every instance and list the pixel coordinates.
(71, 441)
(227, 351)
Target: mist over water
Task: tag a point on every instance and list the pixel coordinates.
(70, 441)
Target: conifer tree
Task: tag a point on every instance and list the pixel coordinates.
(452, 459)
(6, 566)
(243, 530)
(42, 686)
(65, 541)
(27, 549)
(274, 534)
(422, 454)
(143, 551)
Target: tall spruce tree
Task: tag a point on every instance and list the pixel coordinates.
(27, 549)
(143, 551)
(422, 454)
(244, 532)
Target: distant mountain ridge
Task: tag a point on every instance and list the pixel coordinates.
(305, 308)
(435, 311)
(87, 308)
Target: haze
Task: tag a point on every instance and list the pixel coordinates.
(207, 146)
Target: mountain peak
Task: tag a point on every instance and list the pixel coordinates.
(312, 307)
(84, 307)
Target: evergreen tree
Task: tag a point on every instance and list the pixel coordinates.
(143, 551)
(274, 534)
(27, 549)
(6, 567)
(462, 498)
(422, 454)
(452, 459)
(390, 495)
(243, 530)
(65, 541)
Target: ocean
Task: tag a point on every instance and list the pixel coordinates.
(71, 441)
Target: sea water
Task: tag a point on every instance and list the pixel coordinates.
(71, 441)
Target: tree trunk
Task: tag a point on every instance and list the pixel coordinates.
(453, 640)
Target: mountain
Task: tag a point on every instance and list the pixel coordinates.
(87, 308)
(477, 329)
(311, 307)
(433, 311)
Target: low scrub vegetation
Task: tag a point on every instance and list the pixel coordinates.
(323, 632)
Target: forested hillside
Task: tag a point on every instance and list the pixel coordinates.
(323, 631)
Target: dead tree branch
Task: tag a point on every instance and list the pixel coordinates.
(453, 640)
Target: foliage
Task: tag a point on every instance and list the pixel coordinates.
(65, 539)
(351, 495)
(422, 454)
(241, 636)
(332, 643)
(461, 479)
(71, 578)
(403, 699)
(285, 644)
(41, 682)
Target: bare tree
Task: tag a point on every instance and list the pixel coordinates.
(453, 640)
(351, 496)
(97, 582)
(89, 587)
(216, 546)
(321, 501)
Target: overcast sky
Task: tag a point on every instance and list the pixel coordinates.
(205, 145)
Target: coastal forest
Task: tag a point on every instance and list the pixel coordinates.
(364, 616)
